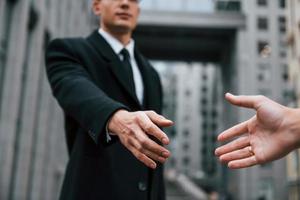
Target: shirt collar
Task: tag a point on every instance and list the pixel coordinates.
(116, 45)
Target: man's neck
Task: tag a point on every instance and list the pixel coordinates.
(123, 37)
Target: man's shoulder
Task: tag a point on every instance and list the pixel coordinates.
(69, 44)
(71, 41)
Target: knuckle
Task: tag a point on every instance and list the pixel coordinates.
(148, 127)
(140, 156)
(137, 118)
(140, 148)
(151, 112)
(143, 142)
(126, 131)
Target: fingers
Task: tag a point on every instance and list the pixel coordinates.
(244, 101)
(233, 146)
(134, 135)
(148, 147)
(150, 128)
(236, 155)
(235, 131)
(159, 120)
(147, 144)
(143, 158)
(243, 163)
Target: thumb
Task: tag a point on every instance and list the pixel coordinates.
(243, 100)
(159, 120)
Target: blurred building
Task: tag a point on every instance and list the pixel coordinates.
(243, 39)
(293, 27)
(193, 100)
(262, 58)
(253, 61)
(32, 147)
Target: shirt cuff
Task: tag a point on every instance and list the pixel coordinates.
(108, 134)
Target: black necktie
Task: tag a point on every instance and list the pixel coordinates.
(128, 68)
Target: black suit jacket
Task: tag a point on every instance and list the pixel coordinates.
(87, 80)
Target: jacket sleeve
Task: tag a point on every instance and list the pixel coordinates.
(75, 91)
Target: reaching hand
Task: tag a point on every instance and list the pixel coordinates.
(134, 128)
(269, 135)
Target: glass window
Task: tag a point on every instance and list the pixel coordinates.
(261, 46)
(228, 5)
(204, 102)
(186, 132)
(204, 113)
(185, 146)
(262, 2)
(282, 24)
(282, 3)
(186, 160)
(187, 93)
(285, 73)
(282, 54)
(204, 126)
(262, 23)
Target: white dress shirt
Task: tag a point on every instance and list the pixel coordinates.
(117, 46)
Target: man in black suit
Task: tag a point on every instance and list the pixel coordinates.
(105, 86)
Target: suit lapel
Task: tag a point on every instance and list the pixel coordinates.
(114, 62)
(147, 78)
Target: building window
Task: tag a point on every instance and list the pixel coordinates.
(204, 89)
(185, 146)
(204, 113)
(204, 126)
(186, 118)
(262, 46)
(262, 23)
(285, 74)
(204, 150)
(282, 54)
(282, 3)
(186, 161)
(204, 102)
(262, 2)
(214, 127)
(186, 133)
(214, 114)
(282, 24)
(187, 93)
(228, 5)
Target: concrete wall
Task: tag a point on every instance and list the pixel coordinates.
(32, 146)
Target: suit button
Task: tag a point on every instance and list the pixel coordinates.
(142, 186)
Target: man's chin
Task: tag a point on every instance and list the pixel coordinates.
(123, 28)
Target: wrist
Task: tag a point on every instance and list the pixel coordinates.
(114, 121)
(294, 125)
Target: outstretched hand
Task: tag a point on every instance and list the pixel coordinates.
(134, 129)
(270, 134)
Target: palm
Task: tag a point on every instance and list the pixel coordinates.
(260, 139)
(265, 130)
